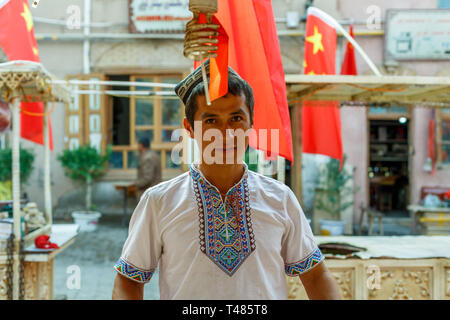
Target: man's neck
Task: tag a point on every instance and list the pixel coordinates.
(223, 177)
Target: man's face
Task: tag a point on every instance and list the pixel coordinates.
(224, 131)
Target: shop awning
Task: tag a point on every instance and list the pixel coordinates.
(365, 90)
(31, 80)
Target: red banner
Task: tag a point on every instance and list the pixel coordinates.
(321, 121)
(254, 53)
(18, 42)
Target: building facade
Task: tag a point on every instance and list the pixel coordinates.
(109, 50)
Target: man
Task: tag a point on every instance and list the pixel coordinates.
(149, 168)
(220, 231)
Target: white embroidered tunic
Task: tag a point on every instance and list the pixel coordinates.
(207, 248)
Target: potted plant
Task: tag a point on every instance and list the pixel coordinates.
(85, 164)
(331, 197)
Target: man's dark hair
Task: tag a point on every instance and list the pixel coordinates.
(236, 87)
(145, 142)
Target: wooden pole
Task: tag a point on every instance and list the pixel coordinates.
(281, 176)
(296, 170)
(47, 182)
(15, 112)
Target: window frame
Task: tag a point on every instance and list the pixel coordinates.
(157, 144)
(439, 118)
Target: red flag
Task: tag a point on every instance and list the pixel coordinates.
(18, 42)
(321, 125)
(254, 52)
(349, 63)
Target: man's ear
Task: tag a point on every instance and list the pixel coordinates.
(188, 127)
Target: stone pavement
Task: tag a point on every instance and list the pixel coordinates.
(95, 254)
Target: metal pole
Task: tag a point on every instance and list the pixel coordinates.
(86, 43)
(15, 113)
(47, 182)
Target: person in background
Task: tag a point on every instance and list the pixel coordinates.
(149, 168)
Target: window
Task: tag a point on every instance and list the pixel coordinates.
(121, 120)
(85, 115)
(444, 4)
(135, 117)
(443, 137)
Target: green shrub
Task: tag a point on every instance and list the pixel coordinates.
(85, 164)
(26, 164)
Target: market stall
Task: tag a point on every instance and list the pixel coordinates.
(360, 91)
(385, 268)
(407, 267)
(28, 81)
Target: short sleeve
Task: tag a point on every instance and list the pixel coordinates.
(142, 249)
(299, 249)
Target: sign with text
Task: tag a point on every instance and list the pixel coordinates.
(147, 16)
(417, 34)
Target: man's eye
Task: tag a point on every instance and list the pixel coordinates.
(237, 118)
(209, 121)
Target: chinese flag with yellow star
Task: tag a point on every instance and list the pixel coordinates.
(18, 42)
(321, 120)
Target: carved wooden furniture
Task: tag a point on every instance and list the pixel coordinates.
(377, 275)
(38, 266)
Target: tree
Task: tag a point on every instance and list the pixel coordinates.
(86, 164)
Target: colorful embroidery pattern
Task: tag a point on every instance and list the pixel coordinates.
(226, 233)
(304, 265)
(132, 272)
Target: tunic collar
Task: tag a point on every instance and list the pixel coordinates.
(197, 175)
(225, 228)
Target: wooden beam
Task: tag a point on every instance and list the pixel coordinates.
(303, 94)
(366, 80)
(296, 169)
(429, 91)
(369, 93)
